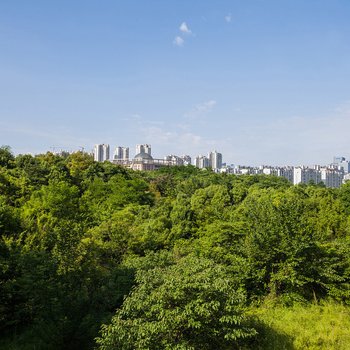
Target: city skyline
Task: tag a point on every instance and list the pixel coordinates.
(205, 159)
(264, 82)
(331, 175)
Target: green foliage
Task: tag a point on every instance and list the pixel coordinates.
(63, 304)
(77, 163)
(6, 156)
(191, 304)
(74, 232)
(344, 197)
(9, 220)
(210, 203)
(302, 327)
(282, 246)
(102, 199)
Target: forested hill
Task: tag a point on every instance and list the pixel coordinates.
(93, 255)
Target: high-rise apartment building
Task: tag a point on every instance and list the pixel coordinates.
(121, 153)
(332, 177)
(287, 172)
(187, 159)
(106, 152)
(202, 162)
(215, 160)
(143, 149)
(174, 160)
(344, 166)
(304, 175)
(101, 152)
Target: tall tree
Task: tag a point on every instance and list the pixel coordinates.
(192, 304)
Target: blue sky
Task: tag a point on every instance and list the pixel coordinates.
(262, 81)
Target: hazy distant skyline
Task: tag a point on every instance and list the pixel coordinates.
(262, 82)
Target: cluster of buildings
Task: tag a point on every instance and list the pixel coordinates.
(142, 160)
(213, 161)
(332, 175)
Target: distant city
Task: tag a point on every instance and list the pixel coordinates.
(331, 175)
(143, 159)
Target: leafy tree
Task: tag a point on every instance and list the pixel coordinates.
(9, 219)
(33, 169)
(74, 231)
(77, 163)
(344, 196)
(210, 203)
(285, 250)
(6, 157)
(192, 304)
(182, 217)
(102, 199)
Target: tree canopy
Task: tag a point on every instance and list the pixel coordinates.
(93, 254)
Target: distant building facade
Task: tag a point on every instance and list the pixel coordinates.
(187, 159)
(121, 153)
(145, 148)
(215, 160)
(332, 175)
(202, 162)
(174, 160)
(101, 152)
(305, 175)
(143, 161)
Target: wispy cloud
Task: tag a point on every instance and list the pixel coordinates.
(228, 18)
(178, 41)
(173, 138)
(184, 28)
(179, 141)
(201, 109)
(133, 117)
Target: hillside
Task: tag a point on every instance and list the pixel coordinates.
(96, 255)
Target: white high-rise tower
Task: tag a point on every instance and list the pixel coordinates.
(202, 162)
(101, 152)
(215, 160)
(121, 153)
(143, 149)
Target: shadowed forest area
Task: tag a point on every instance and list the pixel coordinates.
(96, 256)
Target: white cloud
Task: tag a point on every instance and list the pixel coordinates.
(158, 135)
(133, 117)
(228, 18)
(201, 109)
(178, 41)
(174, 138)
(206, 106)
(184, 28)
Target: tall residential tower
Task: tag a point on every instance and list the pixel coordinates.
(101, 152)
(143, 149)
(121, 153)
(215, 160)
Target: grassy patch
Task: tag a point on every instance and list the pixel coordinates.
(303, 327)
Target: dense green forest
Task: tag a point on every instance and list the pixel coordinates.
(96, 256)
